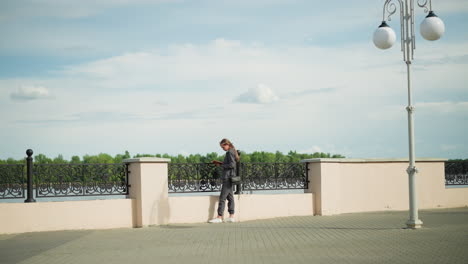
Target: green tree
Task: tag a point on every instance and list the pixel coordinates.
(280, 157)
(118, 158)
(211, 156)
(245, 157)
(42, 159)
(100, 158)
(179, 159)
(338, 156)
(75, 160)
(144, 155)
(59, 160)
(197, 158)
(256, 156)
(14, 161)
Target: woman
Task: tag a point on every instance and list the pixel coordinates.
(229, 170)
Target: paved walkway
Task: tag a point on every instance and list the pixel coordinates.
(348, 238)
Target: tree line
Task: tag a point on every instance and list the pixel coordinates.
(256, 156)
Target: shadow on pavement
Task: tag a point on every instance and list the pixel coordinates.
(360, 228)
(446, 213)
(24, 246)
(175, 227)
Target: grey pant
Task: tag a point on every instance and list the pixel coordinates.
(226, 193)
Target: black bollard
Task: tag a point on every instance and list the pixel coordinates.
(29, 171)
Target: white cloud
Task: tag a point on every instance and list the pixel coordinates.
(262, 94)
(444, 107)
(199, 81)
(67, 8)
(219, 59)
(27, 93)
(293, 68)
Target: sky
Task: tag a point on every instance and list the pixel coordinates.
(177, 76)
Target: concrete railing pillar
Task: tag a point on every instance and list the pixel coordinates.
(148, 186)
(324, 184)
(315, 185)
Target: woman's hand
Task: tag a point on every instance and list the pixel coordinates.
(215, 162)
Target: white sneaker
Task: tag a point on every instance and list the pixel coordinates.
(230, 220)
(215, 221)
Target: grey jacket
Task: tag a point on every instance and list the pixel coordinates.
(229, 164)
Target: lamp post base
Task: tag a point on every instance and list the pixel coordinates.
(414, 224)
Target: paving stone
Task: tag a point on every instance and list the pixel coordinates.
(349, 238)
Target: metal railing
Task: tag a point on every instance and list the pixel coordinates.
(206, 177)
(274, 176)
(194, 177)
(456, 173)
(62, 180)
(12, 181)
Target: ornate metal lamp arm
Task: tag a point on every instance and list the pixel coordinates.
(389, 10)
(423, 4)
(408, 40)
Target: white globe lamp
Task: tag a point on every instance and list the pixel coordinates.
(432, 27)
(384, 36)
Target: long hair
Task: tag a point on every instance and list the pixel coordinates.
(227, 141)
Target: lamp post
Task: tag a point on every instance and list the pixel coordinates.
(432, 28)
